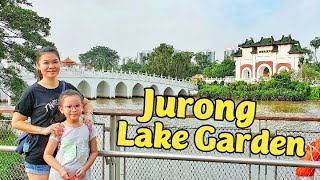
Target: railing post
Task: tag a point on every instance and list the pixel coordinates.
(114, 168)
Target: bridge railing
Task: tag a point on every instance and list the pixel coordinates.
(89, 73)
(143, 163)
(227, 79)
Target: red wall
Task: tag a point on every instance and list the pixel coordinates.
(270, 63)
(245, 66)
(283, 64)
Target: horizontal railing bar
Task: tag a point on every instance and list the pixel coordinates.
(189, 114)
(234, 160)
(7, 148)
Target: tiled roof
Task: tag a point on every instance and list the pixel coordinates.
(254, 50)
(197, 76)
(268, 42)
(296, 49)
(286, 40)
(68, 61)
(238, 53)
(274, 48)
(264, 41)
(248, 43)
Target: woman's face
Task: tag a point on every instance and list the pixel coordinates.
(49, 65)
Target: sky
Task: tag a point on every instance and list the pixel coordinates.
(132, 26)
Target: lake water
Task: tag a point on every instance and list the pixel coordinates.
(310, 107)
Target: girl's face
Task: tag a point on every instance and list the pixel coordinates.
(71, 107)
(49, 65)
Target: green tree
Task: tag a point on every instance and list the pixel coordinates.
(131, 66)
(315, 43)
(100, 57)
(230, 66)
(307, 57)
(225, 68)
(180, 65)
(202, 60)
(309, 72)
(22, 31)
(159, 60)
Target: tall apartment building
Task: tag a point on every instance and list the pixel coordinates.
(211, 55)
(125, 60)
(142, 54)
(228, 54)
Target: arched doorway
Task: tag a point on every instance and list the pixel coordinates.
(264, 72)
(246, 74)
(283, 69)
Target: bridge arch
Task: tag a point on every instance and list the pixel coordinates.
(168, 92)
(84, 88)
(137, 90)
(113, 84)
(103, 90)
(182, 92)
(156, 90)
(121, 90)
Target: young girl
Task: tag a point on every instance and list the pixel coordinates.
(38, 102)
(77, 147)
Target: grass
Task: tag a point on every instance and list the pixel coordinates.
(11, 163)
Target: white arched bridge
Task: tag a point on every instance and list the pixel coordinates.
(111, 84)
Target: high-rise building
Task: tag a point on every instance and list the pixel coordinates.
(142, 54)
(125, 60)
(228, 54)
(211, 55)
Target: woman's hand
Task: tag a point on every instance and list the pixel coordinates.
(56, 129)
(88, 118)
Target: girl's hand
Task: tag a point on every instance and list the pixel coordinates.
(64, 174)
(80, 173)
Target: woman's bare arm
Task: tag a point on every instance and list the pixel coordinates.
(19, 122)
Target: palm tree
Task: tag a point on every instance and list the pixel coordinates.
(315, 43)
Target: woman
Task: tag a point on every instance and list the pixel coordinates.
(39, 102)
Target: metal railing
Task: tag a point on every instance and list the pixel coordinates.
(172, 157)
(169, 156)
(157, 164)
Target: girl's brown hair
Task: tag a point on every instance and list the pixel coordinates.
(42, 51)
(69, 92)
(56, 116)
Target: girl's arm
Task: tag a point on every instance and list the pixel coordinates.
(19, 122)
(93, 155)
(51, 161)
